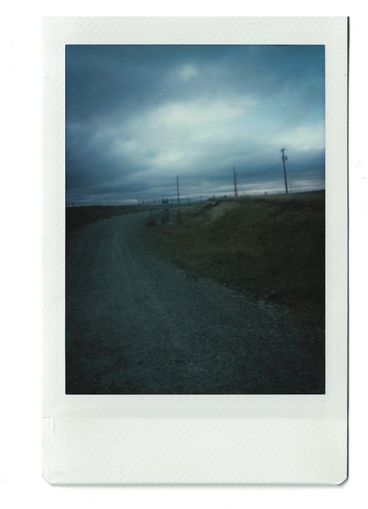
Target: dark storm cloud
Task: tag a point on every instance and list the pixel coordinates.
(137, 116)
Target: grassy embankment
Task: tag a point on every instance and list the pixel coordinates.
(272, 247)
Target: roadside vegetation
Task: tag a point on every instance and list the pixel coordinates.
(77, 217)
(272, 247)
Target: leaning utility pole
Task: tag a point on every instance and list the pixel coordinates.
(284, 159)
(177, 189)
(235, 183)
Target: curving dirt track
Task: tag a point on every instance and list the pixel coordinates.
(135, 324)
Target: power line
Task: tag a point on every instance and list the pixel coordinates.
(258, 172)
(261, 172)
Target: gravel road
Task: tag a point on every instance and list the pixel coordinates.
(136, 324)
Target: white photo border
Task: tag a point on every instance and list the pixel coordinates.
(195, 438)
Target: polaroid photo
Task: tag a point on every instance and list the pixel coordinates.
(195, 250)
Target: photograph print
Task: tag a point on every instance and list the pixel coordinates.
(195, 219)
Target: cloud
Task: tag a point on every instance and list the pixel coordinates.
(302, 138)
(178, 135)
(139, 116)
(187, 71)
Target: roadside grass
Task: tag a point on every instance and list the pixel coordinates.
(77, 217)
(272, 247)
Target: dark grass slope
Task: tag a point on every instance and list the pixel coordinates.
(273, 247)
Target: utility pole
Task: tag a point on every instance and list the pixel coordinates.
(177, 189)
(235, 183)
(284, 159)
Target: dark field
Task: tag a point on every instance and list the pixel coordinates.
(77, 217)
(272, 247)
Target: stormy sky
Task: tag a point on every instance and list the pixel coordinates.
(138, 116)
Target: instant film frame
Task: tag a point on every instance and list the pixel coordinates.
(179, 438)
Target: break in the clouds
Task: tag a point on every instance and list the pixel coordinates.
(138, 116)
